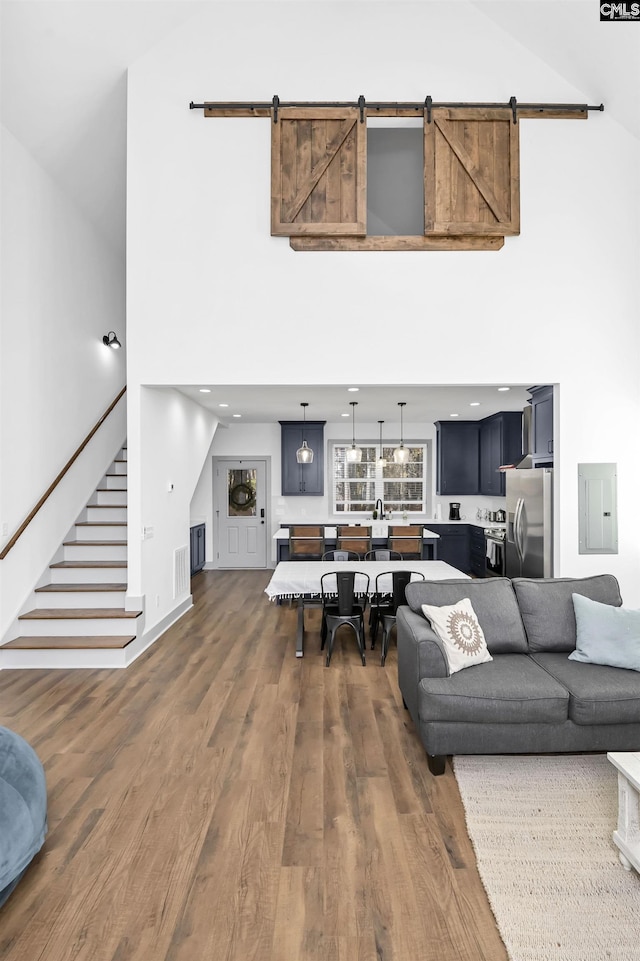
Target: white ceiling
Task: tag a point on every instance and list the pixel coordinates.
(267, 404)
(64, 63)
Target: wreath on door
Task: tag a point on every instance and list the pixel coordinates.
(242, 496)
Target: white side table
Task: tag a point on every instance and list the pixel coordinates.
(627, 837)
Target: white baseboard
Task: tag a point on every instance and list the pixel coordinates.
(137, 647)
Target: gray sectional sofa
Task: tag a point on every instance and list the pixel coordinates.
(530, 698)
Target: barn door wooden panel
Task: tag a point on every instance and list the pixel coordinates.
(318, 172)
(472, 172)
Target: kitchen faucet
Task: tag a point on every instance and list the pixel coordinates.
(380, 512)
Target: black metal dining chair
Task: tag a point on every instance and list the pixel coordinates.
(341, 605)
(340, 556)
(387, 605)
(378, 554)
(382, 554)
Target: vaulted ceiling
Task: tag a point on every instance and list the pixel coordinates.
(64, 66)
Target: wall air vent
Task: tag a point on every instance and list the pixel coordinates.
(180, 572)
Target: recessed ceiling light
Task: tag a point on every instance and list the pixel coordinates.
(237, 415)
(454, 415)
(205, 390)
(474, 403)
(223, 405)
(504, 388)
(344, 415)
(353, 389)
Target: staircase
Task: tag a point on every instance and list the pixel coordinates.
(79, 618)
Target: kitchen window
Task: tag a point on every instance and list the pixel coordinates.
(356, 487)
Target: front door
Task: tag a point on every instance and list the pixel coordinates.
(239, 492)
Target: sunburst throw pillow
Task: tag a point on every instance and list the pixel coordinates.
(459, 630)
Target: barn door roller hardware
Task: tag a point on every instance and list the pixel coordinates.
(564, 111)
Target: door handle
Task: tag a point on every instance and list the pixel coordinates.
(518, 529)
(262, 512)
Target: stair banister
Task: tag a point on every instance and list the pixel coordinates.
(23, 526)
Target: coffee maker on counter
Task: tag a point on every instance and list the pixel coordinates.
(454, 511)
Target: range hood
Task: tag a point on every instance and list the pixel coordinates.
(527, 459)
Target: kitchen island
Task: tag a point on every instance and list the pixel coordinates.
(379, 532)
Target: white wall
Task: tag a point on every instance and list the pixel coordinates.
(62, 290)
(559, 304)
(169, 442)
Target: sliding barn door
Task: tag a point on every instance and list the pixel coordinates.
(472, 172)
(318, 172)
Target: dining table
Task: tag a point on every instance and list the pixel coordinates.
(301, 581)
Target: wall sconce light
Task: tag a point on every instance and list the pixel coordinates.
(304, 454)
(110, 340)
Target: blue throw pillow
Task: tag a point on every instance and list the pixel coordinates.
(605, 634)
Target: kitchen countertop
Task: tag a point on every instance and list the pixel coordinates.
(472, 522)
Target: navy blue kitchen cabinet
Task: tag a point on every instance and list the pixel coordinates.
(500, 443)
(454, 544)
(458, 458)
(477, 552)
(197, 548)
(542, 426)
(302, 479)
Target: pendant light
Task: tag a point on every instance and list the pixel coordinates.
(304, 454)
(401, 454)
(354, 454)
(382, 460)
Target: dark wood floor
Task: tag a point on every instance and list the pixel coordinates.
(221, 799)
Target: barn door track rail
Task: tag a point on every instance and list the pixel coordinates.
(271, 108)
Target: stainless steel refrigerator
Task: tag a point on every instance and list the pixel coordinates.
(529, 540)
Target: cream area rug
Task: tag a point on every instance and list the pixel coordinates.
(541, 828)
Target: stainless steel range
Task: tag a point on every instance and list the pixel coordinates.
(495, 560)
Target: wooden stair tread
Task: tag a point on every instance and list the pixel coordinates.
(68, 643)
(87, 564)
(101, 524)
(108, 507)
(76, 613)
(95, 543)
(49, 588)
(111, 490)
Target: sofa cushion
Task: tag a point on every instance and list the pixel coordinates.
(493, 601)
(606, 635)
(459, 630)
(597, 694)
(510, 689)
(546, 606)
